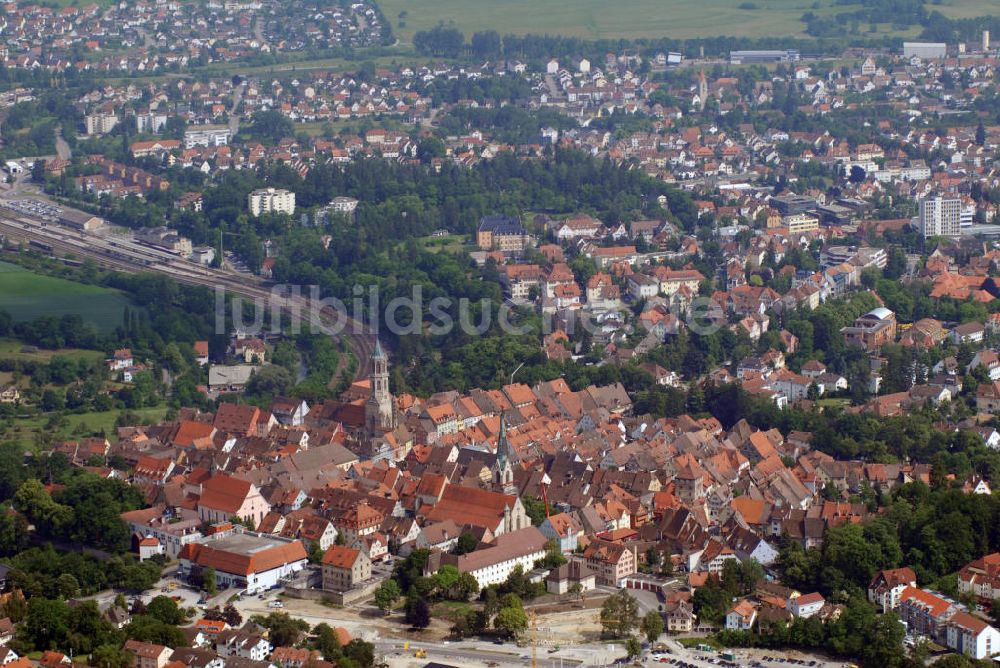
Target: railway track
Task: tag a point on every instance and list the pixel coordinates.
(130, 257)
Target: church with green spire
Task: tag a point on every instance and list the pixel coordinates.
(503, 467)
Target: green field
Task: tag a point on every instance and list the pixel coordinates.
(26, 296)
(453, 243)
(23, 430)
(13, 349)
(596, 19)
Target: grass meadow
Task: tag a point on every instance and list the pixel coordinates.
(26, 296)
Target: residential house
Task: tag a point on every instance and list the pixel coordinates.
(925, 613)
(224, 497)
(972, 636)
(806, 605)
(345, 568)
(680, 617)
(147, 655)
(981, 578)
(741, 616)
(887, 585)
(566, 577)
(611, 561)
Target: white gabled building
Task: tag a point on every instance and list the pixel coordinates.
(492, 565)
(972, 636)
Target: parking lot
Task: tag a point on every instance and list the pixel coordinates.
(37, 208)
(184, 595)
(741, 658)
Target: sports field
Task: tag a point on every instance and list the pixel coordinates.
(26, 296)
(597, 19)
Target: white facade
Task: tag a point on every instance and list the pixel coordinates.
(889, 598)
(207, 136)
(925, 49)
(100, 124)
(254, 582)
(271, 200)
(940, 217)
(643, 287)
(500, 571)
(150, 123)
(806, 606)
(738, 620)
(976, 643)
(343, 205)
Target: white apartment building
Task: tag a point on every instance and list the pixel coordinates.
(206, 135)
(100, 123)
(940, 216)
(271, 200)
(343, 205)
(972, 636)
(150, 123)
(798, 223)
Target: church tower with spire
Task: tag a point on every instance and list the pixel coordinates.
(702, 91)
(380, 414)
(503, 468)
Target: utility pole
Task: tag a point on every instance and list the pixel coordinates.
(515, 372)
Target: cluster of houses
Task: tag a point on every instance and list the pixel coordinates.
(209, 643)
(938, 618)
(636, 301)
(157, 36)
(251, 493)
(925, 614)
(719, 165)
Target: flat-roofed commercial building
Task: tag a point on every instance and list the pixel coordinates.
(245, 560)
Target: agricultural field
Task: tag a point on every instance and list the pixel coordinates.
(26, 296)
(629, 19)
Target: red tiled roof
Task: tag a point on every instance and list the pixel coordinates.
(469, 505)
(225, 493)
(341, 556)
(237, 418)
(263, 560)
(934, 605)
(189, 431)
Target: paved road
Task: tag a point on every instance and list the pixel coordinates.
(62, 148)
(258, 29)
(234, 111)
(555, 92)
(462, 653)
